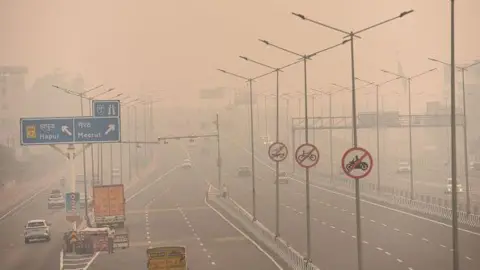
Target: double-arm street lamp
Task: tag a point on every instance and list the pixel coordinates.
(351, 35)
(377, 125)
(252, 140)
(462, 69)
(409, 82)
(304, 58)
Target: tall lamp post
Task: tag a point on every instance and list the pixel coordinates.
(462, 69)
(304, 58)
(409, 82)
(252, 140)
(377, 124)
(351, 36)
(128, 105)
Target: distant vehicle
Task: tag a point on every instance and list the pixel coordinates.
(449, 188)
(403, 167)
(55, 191)
(56, 200)
(187, 164)
(37, 229)
(244, 171)
(282, 178)
(475, 165)
(82, 200)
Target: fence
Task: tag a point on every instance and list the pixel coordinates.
(276, 244)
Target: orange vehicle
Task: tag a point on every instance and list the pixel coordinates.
(109, 205)
(167, 258)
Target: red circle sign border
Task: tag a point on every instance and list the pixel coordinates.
(369, 167)
(315, 162)
(274, 144)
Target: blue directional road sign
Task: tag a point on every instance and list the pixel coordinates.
(97, 129)
(69, 130)
(46, 130)
(106, 108)
(72, 202)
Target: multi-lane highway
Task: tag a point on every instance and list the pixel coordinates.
(392, 239)
(172, 211)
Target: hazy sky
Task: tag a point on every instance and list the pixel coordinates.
(175, 46)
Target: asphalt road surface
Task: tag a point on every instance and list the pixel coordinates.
(172, 212)
(392, 239)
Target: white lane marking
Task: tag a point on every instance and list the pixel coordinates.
(153, 183)
(91, 261)
(468, 258)
(198, 238)
(331, 226)
(443, 246)
(61, 259)
(384, 225)
(399, 260)
(379, 248)
(368, 202)
(365, 242)
(410, 268)
(409, 234)
(396, 229)
(244, 235)
(425, 239)
(371, 220)
(25, 202)
(388, 253)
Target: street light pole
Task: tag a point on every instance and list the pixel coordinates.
(377, 124)
(277, 139)
(409, 81)
(462, 69)
(304, 58)
(351, 36)
(453, 138)
(252, 139)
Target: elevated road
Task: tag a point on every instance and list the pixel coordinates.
(392, 239)
(173, 212)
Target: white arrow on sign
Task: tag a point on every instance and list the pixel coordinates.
(111, 127)
(66, 131)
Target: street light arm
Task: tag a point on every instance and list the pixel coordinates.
(258, 63)
(91, 89)
(341, 87)
(365, 81)
(280, 48)
(233, 74)
(99, 94)
(401, 15)
(303, 17)
(471, 65)
(329, 48)
(438, 61)
(423, 73)
(388, 81)
(280, 68)
(394, 74)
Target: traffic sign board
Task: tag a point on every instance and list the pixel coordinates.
(69, 130)
(357, 162)
(307, 155)
(97, 129)
(277, 152)
(72, 202)
(106, 108)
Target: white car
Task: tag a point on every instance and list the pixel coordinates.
(187, 164)
(403, 167)
(282, 178)
(37, 229)
(449, 188)
(56, 201)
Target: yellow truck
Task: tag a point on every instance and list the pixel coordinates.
(167, 258)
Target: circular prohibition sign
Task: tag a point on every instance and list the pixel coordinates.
(357, 159)
(278, 152)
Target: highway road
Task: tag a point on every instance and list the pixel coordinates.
(430, 173)
(14, 253)
(172, 212)
(393, 240)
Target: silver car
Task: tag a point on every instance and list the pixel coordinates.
(37, 229)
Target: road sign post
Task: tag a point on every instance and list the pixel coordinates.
(69, 130)
(277, 152)
(307, 155)
(357, 163)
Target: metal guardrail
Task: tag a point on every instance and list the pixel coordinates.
(278, 245)
(423, 204)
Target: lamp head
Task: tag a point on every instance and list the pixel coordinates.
(301, 16)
